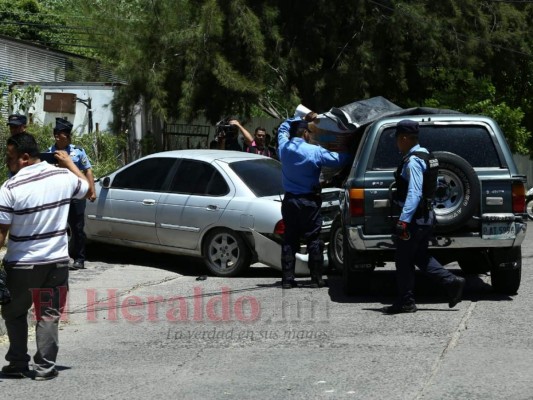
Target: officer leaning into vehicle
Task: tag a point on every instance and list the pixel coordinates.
(76, 215)
(301, 163)
(416, 182)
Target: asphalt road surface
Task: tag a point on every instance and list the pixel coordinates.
(141, 326)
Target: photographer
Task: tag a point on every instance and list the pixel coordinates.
(227, 135)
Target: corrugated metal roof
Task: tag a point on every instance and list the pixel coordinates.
(20, 62)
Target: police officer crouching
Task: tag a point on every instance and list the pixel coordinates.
(301, 163)
(76, 215)
(416, 183)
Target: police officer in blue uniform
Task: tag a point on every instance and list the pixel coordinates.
(301, 163)
(416, 182)
(76, 216)
(17, 124)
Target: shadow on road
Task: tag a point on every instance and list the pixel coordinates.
(380, 286)
(183, 265)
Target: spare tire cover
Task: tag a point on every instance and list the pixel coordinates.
(458, 192)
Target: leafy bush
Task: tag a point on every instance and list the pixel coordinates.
(104, 149)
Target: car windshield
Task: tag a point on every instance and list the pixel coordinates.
(263, 177)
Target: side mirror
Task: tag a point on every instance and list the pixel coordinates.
(106, 183)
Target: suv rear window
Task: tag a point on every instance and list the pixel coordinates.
(263, 177)
(473, 143)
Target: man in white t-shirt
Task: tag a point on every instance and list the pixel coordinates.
(34, 206)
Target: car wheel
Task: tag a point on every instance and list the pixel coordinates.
(529, 207)
(458, 190)
(335, 246)
(225, 253)
(506, 270)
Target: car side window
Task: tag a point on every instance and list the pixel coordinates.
(199, 178)
(149, 175)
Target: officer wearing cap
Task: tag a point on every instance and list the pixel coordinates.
(301, 163)
(416, 182)
(16, 123)
(63, 137)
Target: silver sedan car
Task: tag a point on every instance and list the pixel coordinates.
(214, 204)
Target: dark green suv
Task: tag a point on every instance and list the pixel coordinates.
(480, 200)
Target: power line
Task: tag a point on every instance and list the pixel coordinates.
(64, 16)
(68, 27)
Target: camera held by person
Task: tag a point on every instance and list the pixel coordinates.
(227, 135)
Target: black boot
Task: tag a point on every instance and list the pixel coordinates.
(316, 274)
(287, 269)
(455, 291)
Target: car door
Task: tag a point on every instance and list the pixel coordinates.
(132, 199)
(198, 195)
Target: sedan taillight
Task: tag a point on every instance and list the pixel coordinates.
(279, 229)
(519, 198)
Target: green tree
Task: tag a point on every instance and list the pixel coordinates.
(244, 57)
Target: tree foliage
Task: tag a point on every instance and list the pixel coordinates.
(228, 57)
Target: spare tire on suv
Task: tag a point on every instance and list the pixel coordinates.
(458, 192)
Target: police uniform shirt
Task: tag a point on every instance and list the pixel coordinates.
(413, 172)
(301, 162)
(77, 154)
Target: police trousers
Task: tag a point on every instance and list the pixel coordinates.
(301, 214)
(415, 252)
(76, 221)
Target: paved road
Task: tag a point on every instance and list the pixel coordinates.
(159, 332)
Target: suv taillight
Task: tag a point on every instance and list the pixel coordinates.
(519, 198)
(357, 202)
(279, 229)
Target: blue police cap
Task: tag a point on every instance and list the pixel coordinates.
(16, 120)
(62, 125)
(407, 126)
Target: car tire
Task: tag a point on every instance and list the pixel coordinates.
(336, 246)
(529, 207)
(506, 270)
(226, 253)
(457, 194)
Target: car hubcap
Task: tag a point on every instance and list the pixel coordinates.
(224, 251)
(449, 193)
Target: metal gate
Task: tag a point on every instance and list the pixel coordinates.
(185, 136)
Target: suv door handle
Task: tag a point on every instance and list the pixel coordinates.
(148, 202)
(212, 207)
